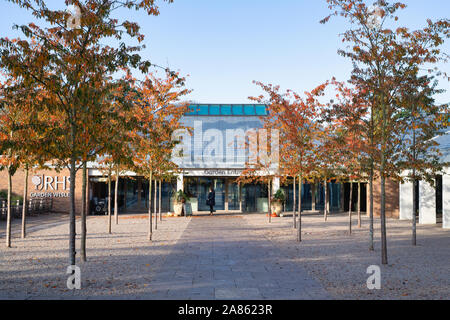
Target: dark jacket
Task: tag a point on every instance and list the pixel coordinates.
(211, 200)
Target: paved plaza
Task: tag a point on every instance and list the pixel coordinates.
(223, 257)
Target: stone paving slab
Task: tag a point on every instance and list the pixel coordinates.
(244, 265)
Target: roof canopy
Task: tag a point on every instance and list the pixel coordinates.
(227, 110)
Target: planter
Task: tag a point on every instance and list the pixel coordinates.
(178, 208)
(276, 208)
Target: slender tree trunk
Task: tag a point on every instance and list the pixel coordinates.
(313, 196)
(268, 201)
(72, 221)
(371, 246)
(294, 209)
(325, 209)
(413, 218)
(371, 232)
(159, 208)
(109, 202)
(83, 213)
(154, 204)
(384, 259)
(150, 225)
(299, 226)
(350, 209)
(359, 204)
(8, 214)
(116, 196)
(25, 206)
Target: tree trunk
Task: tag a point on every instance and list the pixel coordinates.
(313, 196)
(359, 204)
(325, 209)
(25, 205)
(268, 201)
(72, 221)
(371, 246)
(294, 209)
(160, 214)
(154, 204)
(299, 226)
(150, 226)
(383, 222)
(109, 202)
(413, 218)
(83, 213)
(8, 214)
(384, 259)
(350, 209)
(116, 196)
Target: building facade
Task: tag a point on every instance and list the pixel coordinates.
(213, 154)
(433, 200)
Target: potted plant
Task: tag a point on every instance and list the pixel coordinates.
(277, 202)
(180, 198)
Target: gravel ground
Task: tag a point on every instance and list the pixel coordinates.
(120, 265)
(339, 260)
(123, 265)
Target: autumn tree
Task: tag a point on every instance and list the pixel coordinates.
(158, 110)
(18, 138)
(383, 59)
(423, 121)
(71, 63)
(297, 117)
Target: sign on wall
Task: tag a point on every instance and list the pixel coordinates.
(50, 186)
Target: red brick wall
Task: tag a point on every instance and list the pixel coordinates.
(60, 204)
(392, 198)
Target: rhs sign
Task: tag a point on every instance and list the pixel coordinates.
(47, 184)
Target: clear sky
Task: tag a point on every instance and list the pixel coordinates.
(225, 45)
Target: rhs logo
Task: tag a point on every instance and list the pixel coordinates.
(50, 183)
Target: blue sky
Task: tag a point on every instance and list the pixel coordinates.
(225, 45)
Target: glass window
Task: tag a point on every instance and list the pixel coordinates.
(226, 110)
(261, 110)
(192, 110)
(203, 111)
(237, 110)
(249, 110)
(214, 110)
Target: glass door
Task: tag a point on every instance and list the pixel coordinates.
(202, 191)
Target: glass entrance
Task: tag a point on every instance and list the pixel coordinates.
(198, 187)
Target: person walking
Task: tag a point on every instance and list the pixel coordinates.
(211, 200)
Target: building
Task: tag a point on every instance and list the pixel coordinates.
(433, 201)
(214, 155)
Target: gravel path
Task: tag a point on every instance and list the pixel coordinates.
(120, 265)
(224, 257)
(340, 260)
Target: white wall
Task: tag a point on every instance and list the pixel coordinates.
(427, 203)
(406, 200)
(180, 184)
(446, 200)
(275, 184)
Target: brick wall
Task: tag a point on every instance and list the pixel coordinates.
(392, 198)
(49, 179)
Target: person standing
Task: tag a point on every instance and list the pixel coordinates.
(211, 200)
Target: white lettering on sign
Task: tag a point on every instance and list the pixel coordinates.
(46, 183)
(50, 195)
